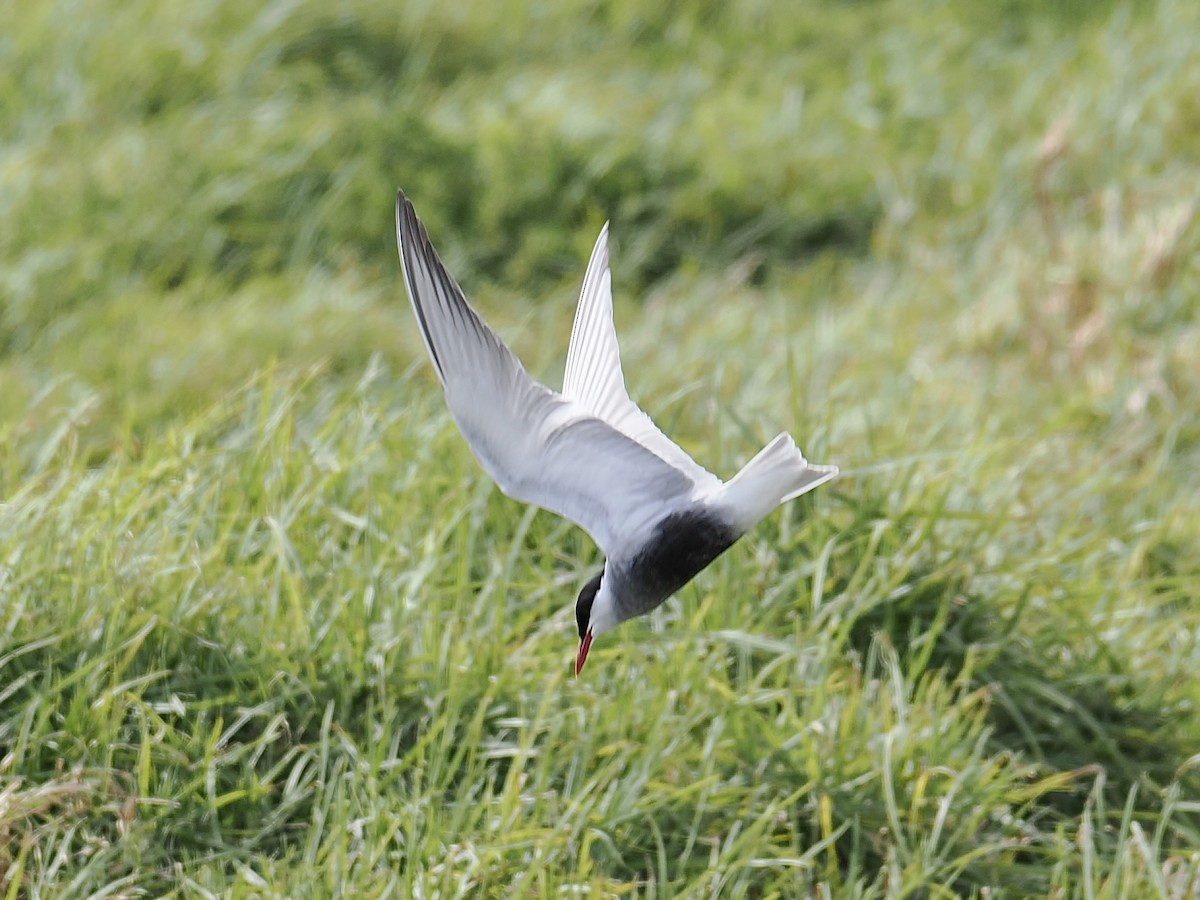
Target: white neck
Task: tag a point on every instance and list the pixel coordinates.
(604, 609)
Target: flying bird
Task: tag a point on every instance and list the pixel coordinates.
(589, 453)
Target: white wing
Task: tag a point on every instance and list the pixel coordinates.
(594, 379)
(539, 446)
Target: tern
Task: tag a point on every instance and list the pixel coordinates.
(588, 452)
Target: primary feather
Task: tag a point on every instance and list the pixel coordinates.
(538, 445)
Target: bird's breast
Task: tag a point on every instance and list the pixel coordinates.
(681, 545)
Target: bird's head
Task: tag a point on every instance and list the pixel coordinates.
(595, 613)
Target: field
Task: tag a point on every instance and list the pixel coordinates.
(266, 629)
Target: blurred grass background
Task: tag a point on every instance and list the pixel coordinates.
(267, 630)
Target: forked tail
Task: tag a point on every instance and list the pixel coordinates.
(778, 473)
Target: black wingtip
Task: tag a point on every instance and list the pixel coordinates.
(408, 223)
(403, 205)
(413, 242)
(410, 226)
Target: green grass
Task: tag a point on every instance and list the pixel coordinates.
(266, 629)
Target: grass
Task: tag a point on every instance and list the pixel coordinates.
(267, 630)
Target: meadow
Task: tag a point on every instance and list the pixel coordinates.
(267, 630)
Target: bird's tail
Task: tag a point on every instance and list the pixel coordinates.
(778, 473)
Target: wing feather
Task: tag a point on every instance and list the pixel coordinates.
(539, 446)
(594, 379)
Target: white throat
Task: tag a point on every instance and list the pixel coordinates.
(604, 610)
